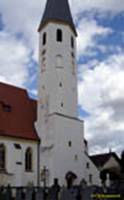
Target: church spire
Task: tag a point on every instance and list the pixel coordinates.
(57, 10)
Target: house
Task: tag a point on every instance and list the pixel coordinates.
(108, 163)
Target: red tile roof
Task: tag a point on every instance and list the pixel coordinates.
(17, 113)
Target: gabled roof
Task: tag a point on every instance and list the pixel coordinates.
(17, 113)
(100, 159)
(57, 10)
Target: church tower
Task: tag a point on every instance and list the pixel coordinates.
(57, 52)
(61, 132)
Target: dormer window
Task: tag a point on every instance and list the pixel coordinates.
(7, 108)
(17, 146)
(59, 35)
(44, 38)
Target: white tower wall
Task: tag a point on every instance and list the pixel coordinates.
(58, 81)
(61, 132)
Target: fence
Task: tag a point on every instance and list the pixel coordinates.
(57, 193)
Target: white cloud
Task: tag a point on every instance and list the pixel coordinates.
(34, 92)
(87, 30)
(14, 57)
(101, 92)
(113, 6)
(24, 16)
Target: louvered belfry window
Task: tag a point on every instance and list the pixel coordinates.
(44, 38)
(59, 35)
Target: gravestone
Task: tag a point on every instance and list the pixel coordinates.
(19, 194)
(66, 195)
(75, 191)
(52, 194)
(54, 191)
(121, 187)
(8, 193)
(87, 193)
(2, 195)
(39, 194)
(29, 194)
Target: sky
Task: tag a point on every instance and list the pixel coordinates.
(100, 62)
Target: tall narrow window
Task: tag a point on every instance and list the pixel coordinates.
(62, 104)
(60, 84)
(44, 38)
(2, 157)
(87, 165)
(28, 160)
(72, 42)
(69, 143)
(59, 35)
(90, 178)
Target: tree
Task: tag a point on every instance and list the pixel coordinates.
(122, 162)
(103, 177)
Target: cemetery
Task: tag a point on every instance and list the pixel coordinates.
(74, 193)
(70, 192)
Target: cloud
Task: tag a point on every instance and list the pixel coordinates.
(112, 6)
(101, 93)
(14, 57)
(88, 29)
(24, 17)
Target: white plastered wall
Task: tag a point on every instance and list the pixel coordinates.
(15, 162)
(62, 158)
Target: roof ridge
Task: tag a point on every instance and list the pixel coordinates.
(101, 154)
(13, 86)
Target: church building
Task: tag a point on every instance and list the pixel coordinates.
(44, 140)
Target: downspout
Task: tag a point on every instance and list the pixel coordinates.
(38, 163)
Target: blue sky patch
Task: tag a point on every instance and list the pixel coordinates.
(1, 23)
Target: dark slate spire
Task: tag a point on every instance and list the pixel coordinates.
(57, 10)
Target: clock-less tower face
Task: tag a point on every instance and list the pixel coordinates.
(57, 69)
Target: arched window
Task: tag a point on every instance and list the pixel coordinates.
(44, 38)
(28, 159)
(59, 35)
(2, 157)
(72, 42)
